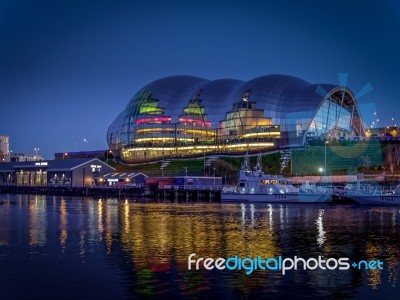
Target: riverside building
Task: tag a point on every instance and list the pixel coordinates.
(59, 173)
(186, 116)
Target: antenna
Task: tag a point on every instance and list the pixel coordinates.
(245, 165)
(259, 162)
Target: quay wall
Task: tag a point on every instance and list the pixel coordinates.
(74, 191)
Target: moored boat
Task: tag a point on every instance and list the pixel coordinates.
(255, 186)
(374, 195)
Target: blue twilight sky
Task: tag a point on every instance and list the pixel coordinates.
(67, 68)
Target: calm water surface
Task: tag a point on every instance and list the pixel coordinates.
(63, 248)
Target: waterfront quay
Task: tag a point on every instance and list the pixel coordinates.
(186, 187)
(94, 178)
(179, 188)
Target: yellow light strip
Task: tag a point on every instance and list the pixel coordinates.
(274, 133)
(212, 147)
(201, 132)
(249, 145)
(155, 130)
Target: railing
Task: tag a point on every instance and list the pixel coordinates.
(370, 190)
(191, 187)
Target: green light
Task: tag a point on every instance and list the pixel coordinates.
(150, 107)
(194, 110)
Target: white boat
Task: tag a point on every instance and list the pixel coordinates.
(255, 186)
(374, 195)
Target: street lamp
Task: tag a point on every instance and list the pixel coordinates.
(108, 151)
(36, 150)
(321, 170)
(64, 155)
(86, 142)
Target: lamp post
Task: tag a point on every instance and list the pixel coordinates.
(214, 174)
(64, 155)
(86, 142)
(204, 160)
(326, 142)
(36, 150)
(321, 170)
(108, 152)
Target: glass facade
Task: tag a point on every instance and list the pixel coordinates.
(182, 116)
(28, 178)
(334, 119)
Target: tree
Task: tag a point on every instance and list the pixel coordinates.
(389, 158)
(225, 169)
(365, 162)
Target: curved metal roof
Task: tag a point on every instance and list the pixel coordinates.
(276, 94)
(280, 96)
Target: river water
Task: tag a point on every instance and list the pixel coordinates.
(80, 248)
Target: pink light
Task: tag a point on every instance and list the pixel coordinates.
(153, 120)
(197, 122)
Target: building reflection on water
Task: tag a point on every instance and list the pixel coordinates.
(63, 223)
(37, 221)
(151, 242)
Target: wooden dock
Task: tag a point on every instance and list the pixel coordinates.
(189, 192)
(158, 191)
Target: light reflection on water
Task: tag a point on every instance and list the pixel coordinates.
(111, 248)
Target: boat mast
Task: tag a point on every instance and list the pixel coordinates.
(245, 168)
(259, 163)
(245, 164)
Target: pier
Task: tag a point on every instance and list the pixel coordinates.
(176, 192)
(185, 187)
(174, 188)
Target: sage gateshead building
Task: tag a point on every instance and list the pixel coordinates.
(186, 116)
